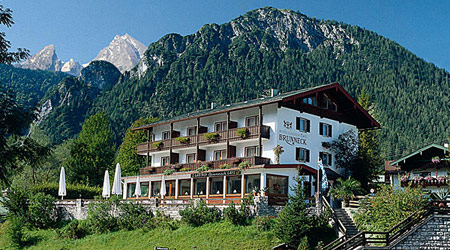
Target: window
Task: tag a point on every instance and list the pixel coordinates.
(184, 187)
(170, 188)
(220, 155)
(144, 189)
(250, 151)
(277, 184)
(326, 158)
(302, 154)
(302, 124)
(190, 158)
(200, 186)
(251, 121)
(156, 188)
(164, 160)
(216, 186)
(191, 131)
(220, 126)
(234, 185)
(252, 183)
(165, 135)
(325, 129)
(130, 190)
(328, 104)
(310, 100)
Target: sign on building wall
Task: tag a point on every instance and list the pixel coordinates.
(216, 174)
(290, 136)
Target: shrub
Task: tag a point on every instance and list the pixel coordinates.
(101, 216)
(243, 133)
(244, 165)
(133, 216)
(76, 229)
(16, 203)
(42, 211)
(234, 216)
(346, 189)
(169, 171)
(264, 223)
(163, 222)
(15, 231)
(211, 137)
(74, 191)
(389, 206)
(200, 214)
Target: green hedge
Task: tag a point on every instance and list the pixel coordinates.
(73, 190)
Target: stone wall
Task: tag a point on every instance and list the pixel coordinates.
(433, 233)
(77, 209)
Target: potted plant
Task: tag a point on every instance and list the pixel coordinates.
(203, 168)
(345, 189)
(211, 137)
(183, 139)
(404, 178)
(244, 165)
(243, 133)
(157, 145)
(278, 150)
(169, 171)
(225, 166)
(185, 169)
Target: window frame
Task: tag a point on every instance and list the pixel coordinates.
(256, 117)
(223, 124)
(329, 129)
(167, 135)
(167, 158)
(189, 128)
(246, 181)
(307, 154)
(286, 188)
(249, 147)
(307, 128)
(179, 187)
(329, 158)
(190, 155)
(223, 154)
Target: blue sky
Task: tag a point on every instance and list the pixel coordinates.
(80, 29)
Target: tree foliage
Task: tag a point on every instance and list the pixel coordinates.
(92, 152)
(129, 160)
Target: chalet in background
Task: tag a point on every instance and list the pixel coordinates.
(223, 153)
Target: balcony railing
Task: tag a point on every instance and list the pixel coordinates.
(233, 162)
(426, 182)
(253, 132)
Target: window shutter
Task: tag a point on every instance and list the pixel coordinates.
(297, 123)
(330, 128)
(320, 128)
(297, 153)
(308, 126)
(307, 155)
(330, 157)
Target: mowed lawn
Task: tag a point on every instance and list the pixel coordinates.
(221, 235)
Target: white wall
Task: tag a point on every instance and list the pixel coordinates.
(312, 140)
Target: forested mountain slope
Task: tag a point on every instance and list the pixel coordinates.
(271, 48)
(29, 85)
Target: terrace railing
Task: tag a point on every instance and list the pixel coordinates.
(383, 239)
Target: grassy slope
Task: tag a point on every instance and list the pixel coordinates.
(221, 235)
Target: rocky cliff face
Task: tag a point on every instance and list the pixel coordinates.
(46, 59)
(123, 51)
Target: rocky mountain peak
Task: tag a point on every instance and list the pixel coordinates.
(46, 59)
(123, 51)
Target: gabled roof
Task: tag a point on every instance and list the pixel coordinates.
(428, 147)
(284, 97)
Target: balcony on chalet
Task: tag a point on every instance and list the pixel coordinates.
(204, 138)
(213, 165)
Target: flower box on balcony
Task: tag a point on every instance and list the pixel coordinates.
(183, 139)
(211, 137)
(158, 145)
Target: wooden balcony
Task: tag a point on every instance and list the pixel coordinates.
(426, 183)
(213, 165)
(253, 133)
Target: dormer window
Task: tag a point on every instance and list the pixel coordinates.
(310, 100)
(328, 104)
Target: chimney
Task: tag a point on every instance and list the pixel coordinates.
(213, 105)
(273, 92)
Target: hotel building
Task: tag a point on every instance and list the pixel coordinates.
(223, 153)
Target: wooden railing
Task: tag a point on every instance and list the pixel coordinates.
(383, 239)
(253, 132)
(340, 226)
(234, 162)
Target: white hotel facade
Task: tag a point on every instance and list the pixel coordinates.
(178, 149)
